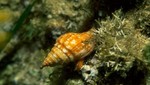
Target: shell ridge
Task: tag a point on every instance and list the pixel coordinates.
(57, 55)
(67, 36)
(91, 48)
(54, 56)
(81, 44)
(61, 54)
(59, 59)
(69, 51)
(48, 60)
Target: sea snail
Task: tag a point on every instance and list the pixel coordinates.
(70, 47)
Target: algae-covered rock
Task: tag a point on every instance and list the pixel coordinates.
(69, 15)
(119, 57)
(74, 82)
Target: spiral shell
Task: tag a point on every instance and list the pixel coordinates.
(70, 47)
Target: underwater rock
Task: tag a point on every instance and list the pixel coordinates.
(68, 15)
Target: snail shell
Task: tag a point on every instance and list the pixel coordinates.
(70, 47)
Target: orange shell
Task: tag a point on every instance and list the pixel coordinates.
(70, 47)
